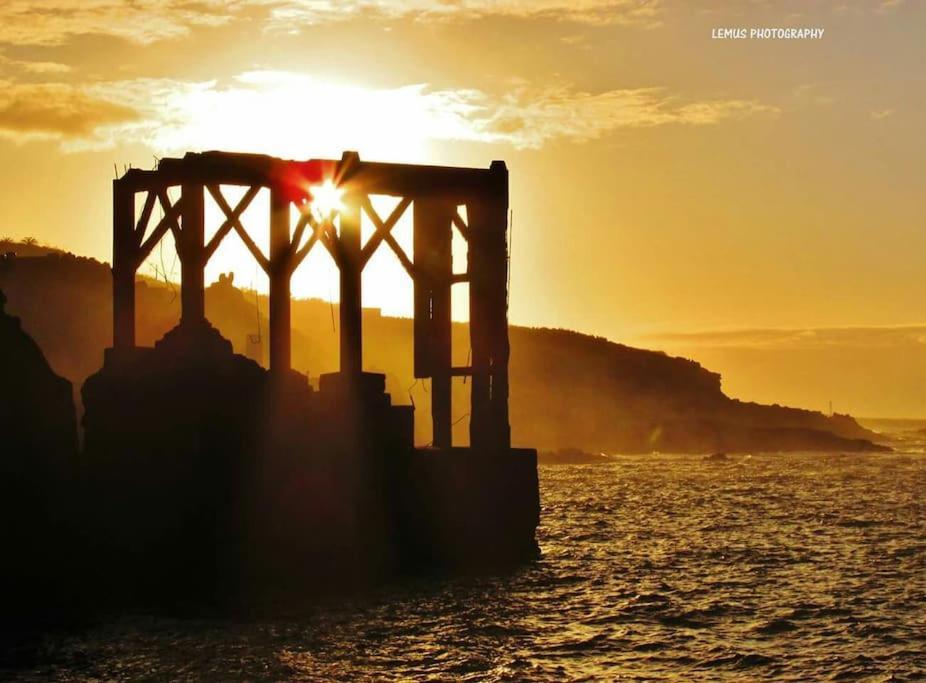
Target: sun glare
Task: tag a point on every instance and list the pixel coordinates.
(382, 124)
(326, 199)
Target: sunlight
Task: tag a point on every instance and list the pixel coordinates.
(326, 199)
(386, 285)
(278, 112)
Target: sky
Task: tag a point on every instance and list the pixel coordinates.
(716, 198)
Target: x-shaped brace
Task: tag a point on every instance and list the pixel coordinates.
(383, 234)
(461, 226)
(168, 222)
(322, 231)
(233, 222)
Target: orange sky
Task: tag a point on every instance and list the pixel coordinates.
(662, 182)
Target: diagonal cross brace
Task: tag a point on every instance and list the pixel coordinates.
(232, 216)
(168, 222)
(145, 217)
(383, 234)
(233, 221)
(322, 231)
(461, 226)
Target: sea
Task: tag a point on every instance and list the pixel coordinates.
(779, 567)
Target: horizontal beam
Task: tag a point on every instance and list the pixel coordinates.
(224, 168)
(405, 180)
(361, 177)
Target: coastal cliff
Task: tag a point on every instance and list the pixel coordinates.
(567, 389)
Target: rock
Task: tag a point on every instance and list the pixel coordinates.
(39, 443)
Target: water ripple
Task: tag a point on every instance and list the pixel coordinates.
(790, 567)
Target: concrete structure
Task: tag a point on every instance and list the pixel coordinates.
(436, 194)
(207, 455)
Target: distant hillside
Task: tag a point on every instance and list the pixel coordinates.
(28, 247)
(567, 389)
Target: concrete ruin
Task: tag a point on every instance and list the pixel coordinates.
(208, 467)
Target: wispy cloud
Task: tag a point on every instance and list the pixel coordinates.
(530, 118)
(32, 67)
(641, 13)
(812, 93)
(881, 114)
(865, 7)
(50, 22)
(888, 5)
(293, 114)
(58, 111)
(793, 9)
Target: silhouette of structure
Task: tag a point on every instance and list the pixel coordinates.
(39, 441)
(436, 193)
(223, 472)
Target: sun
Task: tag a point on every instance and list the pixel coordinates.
(326, 199)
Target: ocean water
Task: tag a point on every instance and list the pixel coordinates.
(777, 567)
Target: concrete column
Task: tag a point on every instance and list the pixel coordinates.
(124, 265)
(500, 348)
(433, 270)
(351, 306)
(280, 275)
(480, 294)
(488, 272)
(192, 256)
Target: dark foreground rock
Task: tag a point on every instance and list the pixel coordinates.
(38, 444)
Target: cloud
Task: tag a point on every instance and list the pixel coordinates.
(810, 93)
(881, 114)
(640, 13)
(40, 68)
(530, 119)
(289, 114)
(293, 114)
(866, 7)
(52, 22)
(792, 9)
(888, 5)
(387, 121)
(57, 111)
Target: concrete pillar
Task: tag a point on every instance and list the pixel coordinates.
(488, 271)
(192, 256)
(498, 254)
(433, 270)
(351, 306)
(280, 275)
(480, 294)
(124, 264)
